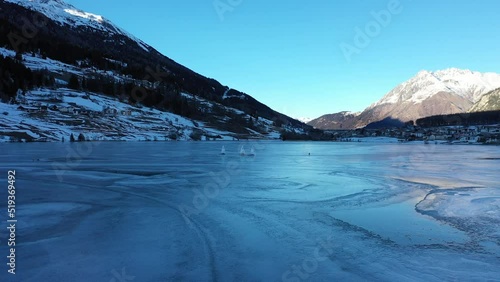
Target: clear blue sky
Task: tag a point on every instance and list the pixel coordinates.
(288, 53)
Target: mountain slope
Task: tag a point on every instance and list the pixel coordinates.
(488, 102)
(341, 120)
(428, 93)
(99, 57)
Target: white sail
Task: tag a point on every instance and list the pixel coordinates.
(242, 151)
(223, 150)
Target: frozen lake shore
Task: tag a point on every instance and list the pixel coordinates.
(179, 211)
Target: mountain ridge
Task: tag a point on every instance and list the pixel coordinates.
(466, 83)
(65, 13)
(427, 93)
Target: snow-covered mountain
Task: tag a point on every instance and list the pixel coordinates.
(467, 84)
(305, 119)
(78, 54)
(66, 14)
(428, 93)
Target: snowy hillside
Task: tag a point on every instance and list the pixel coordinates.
(488, 102)
(53, 114)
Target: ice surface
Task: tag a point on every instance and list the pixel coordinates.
(179, 211)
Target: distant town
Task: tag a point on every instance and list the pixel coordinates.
(477, 134)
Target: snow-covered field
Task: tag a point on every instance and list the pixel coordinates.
(79, 112)
(179, 211)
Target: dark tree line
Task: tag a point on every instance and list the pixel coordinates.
(165, 96)
(312, 135)
(14, 76)
(478, 118)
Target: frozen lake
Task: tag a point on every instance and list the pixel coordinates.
(297, 211)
